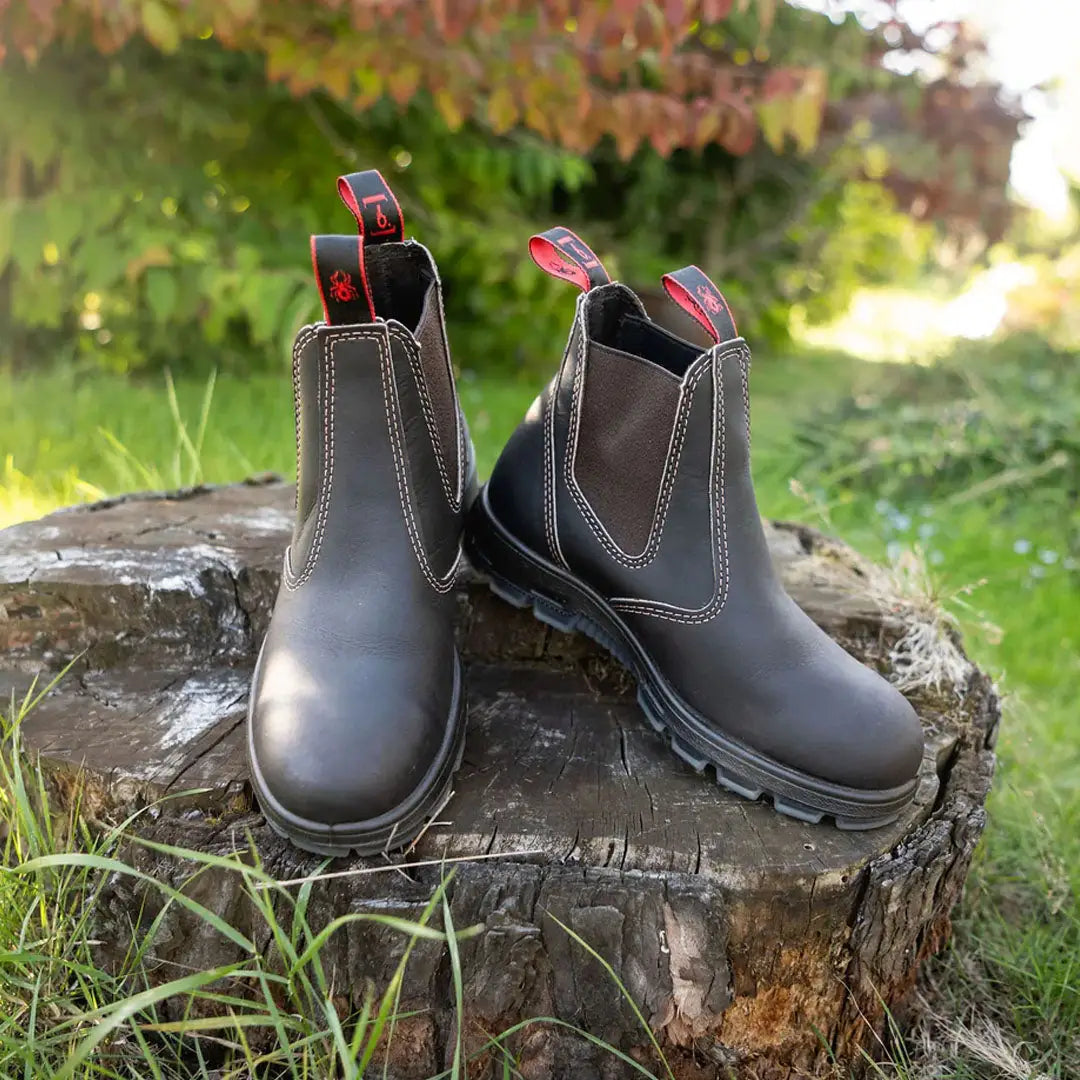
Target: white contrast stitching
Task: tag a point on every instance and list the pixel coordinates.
(671, 467)
(328, 405)
(458, 415)
(668, 611)
(439, 584)
(551, 521)
(442, 585)
(546, 405)
(459, 427)
(302, 339)
(412, 349)
(747, 360)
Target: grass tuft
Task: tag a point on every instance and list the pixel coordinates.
(972, 464)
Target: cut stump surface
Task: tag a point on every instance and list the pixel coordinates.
(751, 941)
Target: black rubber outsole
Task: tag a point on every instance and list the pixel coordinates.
(392, 831)
(526, 580)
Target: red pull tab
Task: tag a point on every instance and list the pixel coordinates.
(701, 299)
(563, 254)
(343, 286)
(377, 213)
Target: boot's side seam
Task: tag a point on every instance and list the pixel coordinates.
(670, 612)
(549, 515)
(448, 580)
(327, 404)
(305, 335)
(412, 350)
(747, 360)
(459, 425)
(549, 402)
(671, 468)
(462, 479)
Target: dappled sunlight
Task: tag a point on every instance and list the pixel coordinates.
(23, 497)
(917, 326)
(888, 192)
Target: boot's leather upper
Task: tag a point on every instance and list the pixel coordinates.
(354, 699)
(632, 472)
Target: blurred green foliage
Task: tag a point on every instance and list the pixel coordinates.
(155, 212)
(990, 424)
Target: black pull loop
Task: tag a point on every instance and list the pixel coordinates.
(378, 215)
(343, 285)
(692, 290)
(564, 254)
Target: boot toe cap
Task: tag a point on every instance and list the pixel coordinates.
(863, 735)
(329, 753)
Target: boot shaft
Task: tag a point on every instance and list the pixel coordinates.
(639, 449)
(383, 458)
(623, 506)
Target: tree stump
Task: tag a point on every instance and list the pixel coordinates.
(754, 944)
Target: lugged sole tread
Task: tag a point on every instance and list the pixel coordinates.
(561, 618)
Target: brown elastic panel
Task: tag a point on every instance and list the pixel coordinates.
(439, 380)
(627, 414)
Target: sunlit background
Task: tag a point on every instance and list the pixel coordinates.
(887, 193)
(1033, 50)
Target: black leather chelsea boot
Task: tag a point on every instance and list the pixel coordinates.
(623, 507)
(357, 714)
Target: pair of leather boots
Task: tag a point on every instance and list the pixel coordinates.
(622, 507)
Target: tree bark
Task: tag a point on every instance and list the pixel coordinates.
(752, 943)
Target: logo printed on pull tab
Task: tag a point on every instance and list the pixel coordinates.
(564, 254)
(339, 273)
(710, 300)
(383, 225)
(703, 301)
(378, 215)
(341, 287)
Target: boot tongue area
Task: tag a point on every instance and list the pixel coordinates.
(401, 276)
(375, 273)
(617, 319)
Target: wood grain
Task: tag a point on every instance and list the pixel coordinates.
(743, 934)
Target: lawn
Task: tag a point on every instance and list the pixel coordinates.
(966, 467)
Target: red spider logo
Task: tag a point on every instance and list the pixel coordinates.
(341, 287)
(709, 299)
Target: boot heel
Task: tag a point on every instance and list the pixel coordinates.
(547, 611)
(508, 574)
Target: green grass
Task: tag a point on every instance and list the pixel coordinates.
(61, 1014)
(68, 437)
(1013, 973)
(274, 1012)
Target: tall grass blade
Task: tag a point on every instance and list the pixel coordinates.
(455, 971)
(622, 989)
(389, 995)
(115, 866)
(129, 1007)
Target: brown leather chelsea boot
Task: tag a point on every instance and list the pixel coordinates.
(357, 714)
(623, 507)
